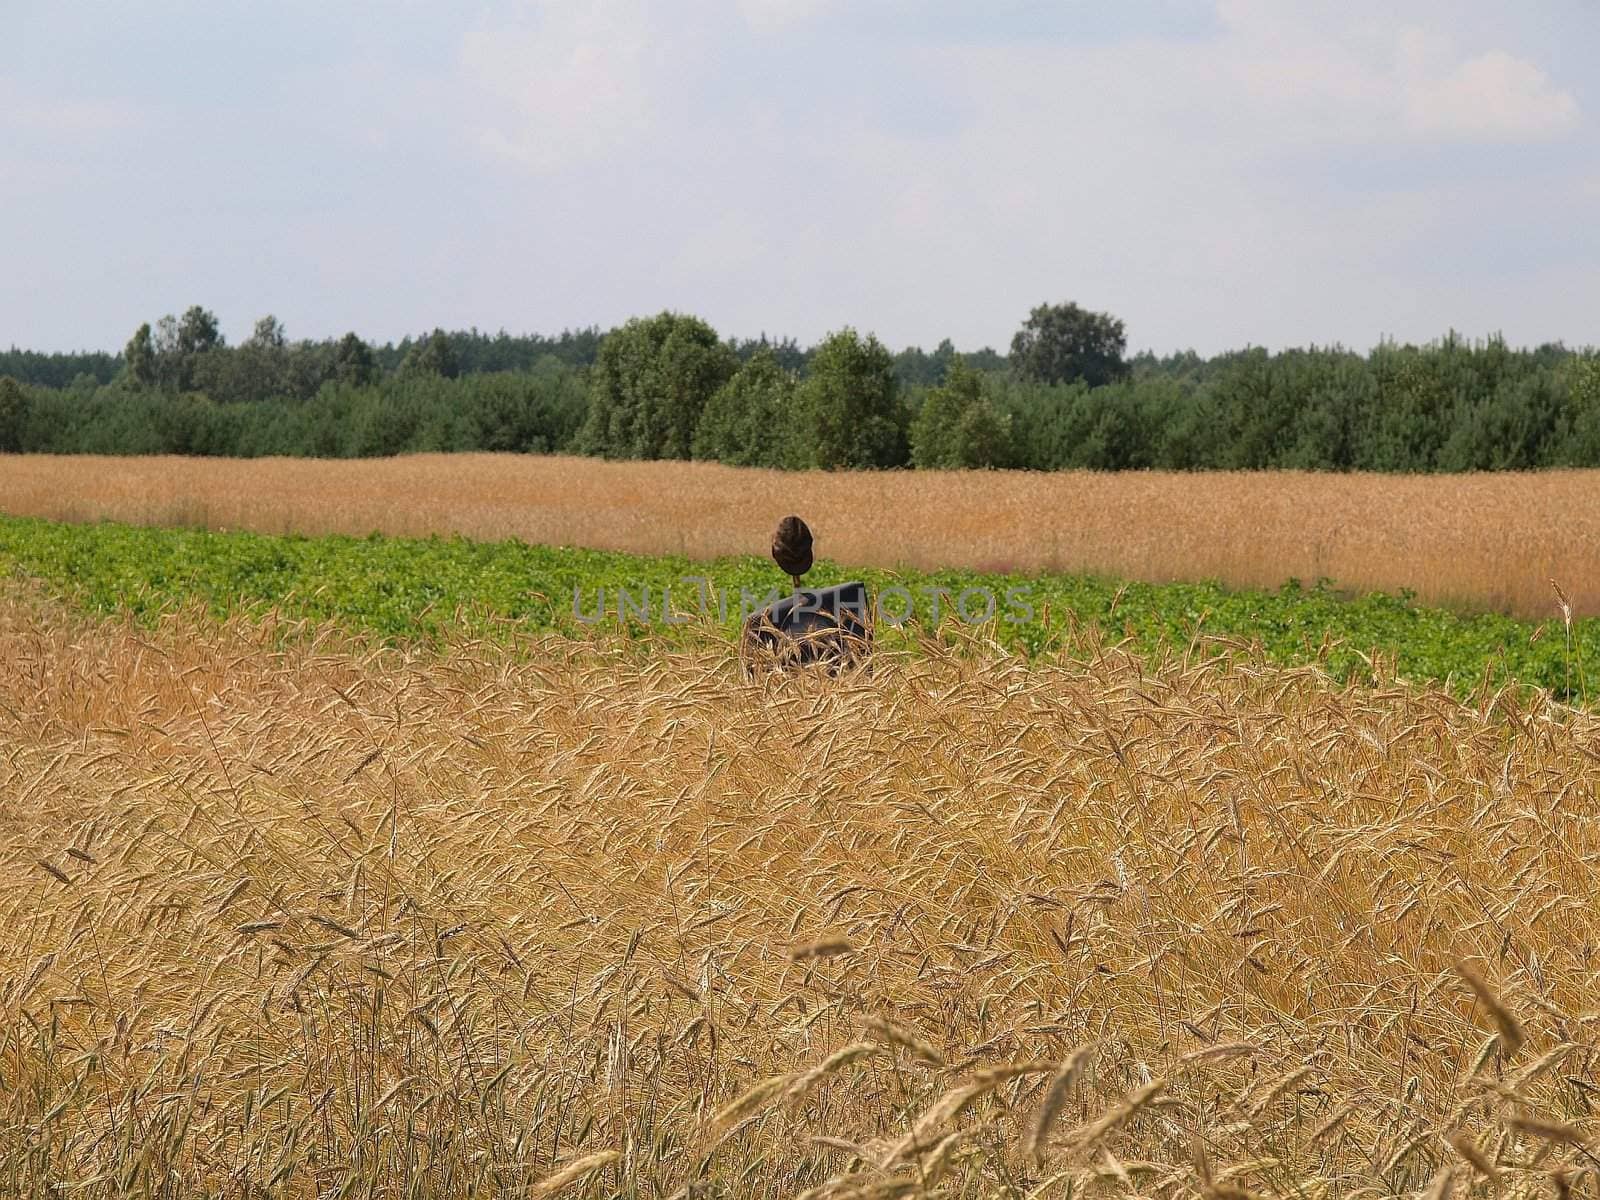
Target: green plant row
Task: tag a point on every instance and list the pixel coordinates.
(408, 590)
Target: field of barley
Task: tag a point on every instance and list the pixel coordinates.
(1481, 542)
(293, 913)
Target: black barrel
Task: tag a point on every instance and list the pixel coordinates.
(829, 626)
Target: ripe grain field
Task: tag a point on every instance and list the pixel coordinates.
(308, 916)
(1480, 542)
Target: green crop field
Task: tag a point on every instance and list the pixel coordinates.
(404, 589)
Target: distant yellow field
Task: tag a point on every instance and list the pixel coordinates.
(302, 918)
(1477, 541)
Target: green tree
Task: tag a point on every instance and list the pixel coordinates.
(916, 368)
(353, 362)
(1508, 430)
(650, 384)
(258, 370)
(30, 367)
(198, 332)
(139, 357)
(983, 436)
(1579, 441)
(850, 405)
(268, 334)
(169, 362)
(13, 414)
(1410, 421)
(750, 422)
(959, 424)
(1062, 343)
(433, 356)
(178, 345)
(933, 428)
(1252, 401)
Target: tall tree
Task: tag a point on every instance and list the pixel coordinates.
(198, 332)
(178, 345)
(433, 356)
(649, 385)
(353, 362)
(139, 357)
(750, 420)
(268, 334)
(13, 413)
(260, 369)
(850, 403)
(959, 426)
(1062, 343)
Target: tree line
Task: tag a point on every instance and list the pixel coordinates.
(1066, 396)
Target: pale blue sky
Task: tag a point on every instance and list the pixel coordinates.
(1244, 171)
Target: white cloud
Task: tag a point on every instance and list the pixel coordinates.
(1492, 96)
(577, 83)
(774, 16)
(64, 117)
(1350, 74)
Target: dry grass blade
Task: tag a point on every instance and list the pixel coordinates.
(1470, 1150)
(1055, 1098)
(742, 1108)
(895, 1034)
(937, 1162)
(1211, 1185)
(1550, 1131)
(1332, 1123)
(829, 947)
(1551, 1058)
(1439, 1187)
(1088, 1135)
(1510, 1030)
(1562, 603)
(60, 875)
(927, 1129)
(1223, 1050)
(1275, 1090)
(803, 1081)
(573, 1172)
(841, 1144)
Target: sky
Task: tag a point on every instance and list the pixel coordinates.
(1216, 174)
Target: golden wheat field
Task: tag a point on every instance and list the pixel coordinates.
(1488, 541)
(288, 914)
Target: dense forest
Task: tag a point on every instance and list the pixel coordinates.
(1066, 395)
